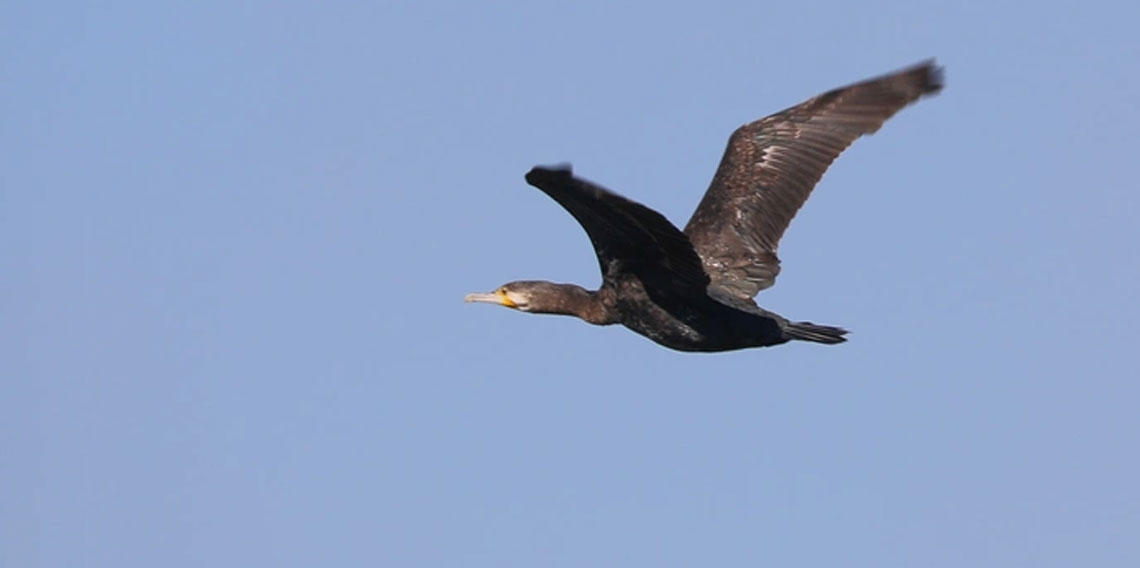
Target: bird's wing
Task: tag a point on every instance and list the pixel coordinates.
(626, 235)
(771, 166)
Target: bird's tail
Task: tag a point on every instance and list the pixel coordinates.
(807, 331)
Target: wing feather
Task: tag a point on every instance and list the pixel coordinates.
(771, 166)
(627, 235)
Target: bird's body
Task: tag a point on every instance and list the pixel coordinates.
(692, 290)
(706, 324)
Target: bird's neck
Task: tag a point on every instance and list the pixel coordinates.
(572, 300)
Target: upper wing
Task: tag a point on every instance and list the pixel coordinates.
(627, 235)
(772, 164)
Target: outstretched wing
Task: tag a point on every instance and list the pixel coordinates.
(771, 166)
(627, 235)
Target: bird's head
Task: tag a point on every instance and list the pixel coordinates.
(537, 296)
(525, 295)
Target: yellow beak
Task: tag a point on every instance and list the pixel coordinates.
(497, 297)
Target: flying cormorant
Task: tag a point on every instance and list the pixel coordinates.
(693, 290)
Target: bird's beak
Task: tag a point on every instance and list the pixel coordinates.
(500, 297)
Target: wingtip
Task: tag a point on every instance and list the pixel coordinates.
(933, 75)
(936, 77)
(539, 174)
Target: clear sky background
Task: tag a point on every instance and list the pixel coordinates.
(235, 239)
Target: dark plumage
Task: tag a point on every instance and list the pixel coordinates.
(693, 290)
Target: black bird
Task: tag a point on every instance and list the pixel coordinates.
(692, 290)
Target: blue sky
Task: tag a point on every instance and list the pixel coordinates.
(235, 239)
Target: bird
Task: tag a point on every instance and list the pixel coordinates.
(693, 290)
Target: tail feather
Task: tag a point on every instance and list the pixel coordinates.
(807, 331)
